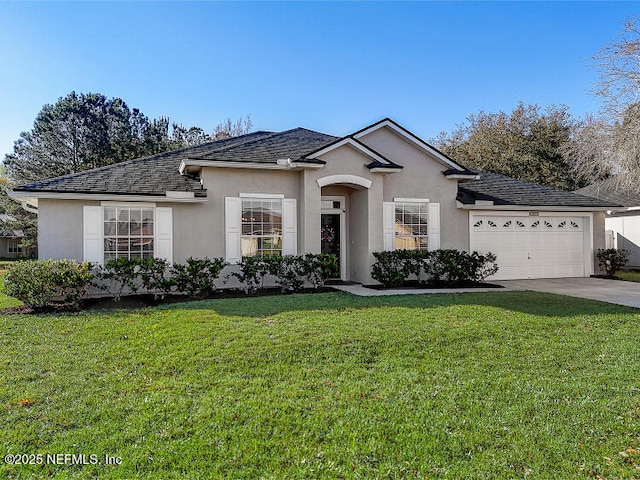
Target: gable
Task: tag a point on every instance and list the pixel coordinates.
(386, 137)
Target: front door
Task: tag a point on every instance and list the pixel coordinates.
(330, 236)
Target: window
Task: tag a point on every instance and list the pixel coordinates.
(128, 232)
(13, 246)
(411, 225)
(261, 227)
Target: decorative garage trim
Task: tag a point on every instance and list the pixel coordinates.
(535, 244)
(352, 179)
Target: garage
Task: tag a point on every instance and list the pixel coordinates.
(533, 244)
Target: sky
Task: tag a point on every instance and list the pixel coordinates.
(328, 66)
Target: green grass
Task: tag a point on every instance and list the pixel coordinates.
(492, 385)
(629, 275)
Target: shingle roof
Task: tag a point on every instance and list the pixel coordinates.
(610, 191)
(293, 144)
(504, 190)
(159, 173)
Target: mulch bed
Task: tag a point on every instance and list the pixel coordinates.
(414, 285)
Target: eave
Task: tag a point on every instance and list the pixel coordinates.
(195, 165)
(31, 197)
(535, 208)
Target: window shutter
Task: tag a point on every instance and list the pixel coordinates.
(289, 227)
(163, 247)
(232, 220)
(93, 246)
(388, 225)
(433, 226)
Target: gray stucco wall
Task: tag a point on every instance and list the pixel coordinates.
(60, 228)
(599, 240)
(422, 177)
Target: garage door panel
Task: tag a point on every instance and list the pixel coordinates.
(531, 247)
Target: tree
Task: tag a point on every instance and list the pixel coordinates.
(228, 128)
(84, 131)
(608, 144)
(524, 144)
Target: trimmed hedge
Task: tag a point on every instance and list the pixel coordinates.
(445, 266)
(42, 284)
(197, 277)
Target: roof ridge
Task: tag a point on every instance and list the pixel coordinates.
(271, 136)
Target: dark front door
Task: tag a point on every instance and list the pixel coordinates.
(330, 236)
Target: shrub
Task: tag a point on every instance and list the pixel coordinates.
(196, 278)
(288, 270)
(252, 271)
(482, 266)
(153, 276)
(612, 259)
(120, 274)
(390, 268)
(457, 267)
(317, 268)
(41, 284)
(450, 266)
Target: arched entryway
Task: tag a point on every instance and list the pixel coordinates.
(344, 222)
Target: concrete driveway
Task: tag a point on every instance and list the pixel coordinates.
(612, 291)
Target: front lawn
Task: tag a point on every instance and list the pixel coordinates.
(491, 385)
(629, 275)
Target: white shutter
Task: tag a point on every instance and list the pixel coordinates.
(93, 246)
(289, 227)
(433, 226)
(163, 247)
(232, 221)
(389, 225)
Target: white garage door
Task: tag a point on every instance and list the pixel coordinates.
(531, 247)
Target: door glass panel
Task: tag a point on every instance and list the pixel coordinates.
(330, 236)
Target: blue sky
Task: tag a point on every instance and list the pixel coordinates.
(329, 66)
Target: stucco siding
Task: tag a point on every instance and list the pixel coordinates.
(422, 177)
(60, 228)
(626, 228)
(199, 229)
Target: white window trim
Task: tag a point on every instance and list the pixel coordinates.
(128, 204)
(410, 200)
(261, 195)
(131, 205)
(93, 241)
(433, 223)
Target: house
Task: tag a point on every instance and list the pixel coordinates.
(300, 191)
(11, 239)
(622, 224)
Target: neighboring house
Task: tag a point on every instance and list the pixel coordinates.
(301, 191)
(622, 224)
(10, 240)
